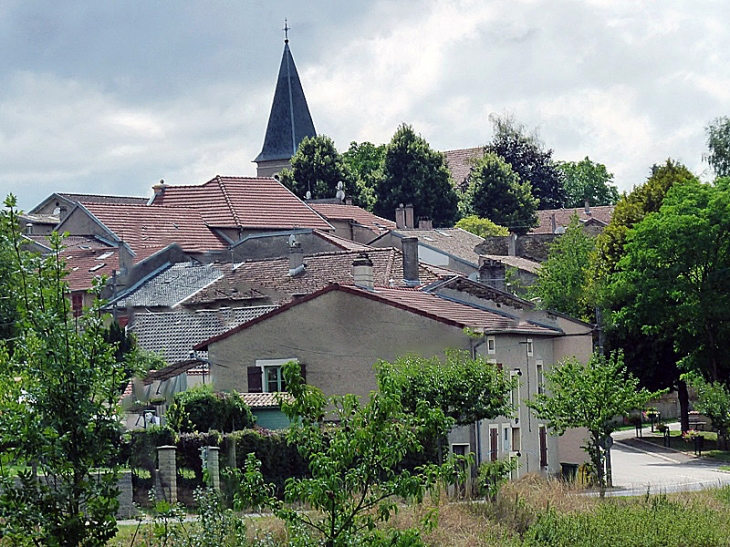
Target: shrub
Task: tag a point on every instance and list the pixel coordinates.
(200, 409)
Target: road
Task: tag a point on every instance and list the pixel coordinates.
(640, 466)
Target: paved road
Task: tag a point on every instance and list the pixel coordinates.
(638, 466)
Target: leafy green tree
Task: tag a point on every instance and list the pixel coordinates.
(58, 409)
(482, 227)
(528, 158)
(718, 142)
(589, 396)
(562, 282)
(201, 409)
(414, 173)
(586, 180)
(365, 162)
(496, 193)
(356, 475)
(466, 389)
(713, 400)
(317, 167)
(674, 278)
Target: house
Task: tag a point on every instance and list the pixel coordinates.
(339, 332)
(353, 222)
(460, 163)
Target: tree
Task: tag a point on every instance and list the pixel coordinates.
(562, 282)
(466, 389)
(365, 162)
(589, 396)
(674, 276)
(483, 227)
(713, 400)
(586, 180)
(356, 474)
(718, 142)
(496, 193)
(414, 173)
(58, 409)
(528, 158)
(201, 409)
(317, 168)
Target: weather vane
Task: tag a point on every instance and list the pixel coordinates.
(286, 30)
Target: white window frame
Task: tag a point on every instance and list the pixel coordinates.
(530, 348)
(539, 375)
(491, 345)
(265, 364)
(515, 398)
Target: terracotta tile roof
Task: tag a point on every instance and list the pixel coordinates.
(341, 242)
(171, 286)
(459, 163)
(426, 304)
(109, 200)
(454, 241)
(83, 243)
(245, 202)
(516, 262)
(148, 229)
(341, 212)
(173, 334)
(84, 266)
(174, 370)
(601, 214)
(272, 276)
(263, 400)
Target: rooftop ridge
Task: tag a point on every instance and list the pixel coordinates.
(227, 198)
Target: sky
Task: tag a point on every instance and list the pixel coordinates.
(110, 97)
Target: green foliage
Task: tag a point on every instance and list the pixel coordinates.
(589, 396)
(713, 400)
(201, 409)
(673, 278)
(562, 280)
(466, 389)
(495, 192)
(718, 143)
(316, 167)
(414, 173)
(493, 474)
(58, 408)
(483, 227)
(365, 162)
(528, 158)
(586, 180)
(355, 479)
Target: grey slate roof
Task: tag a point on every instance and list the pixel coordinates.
(289, 121)
(173, 334)
(171, 286)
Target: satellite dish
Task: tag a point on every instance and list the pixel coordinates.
(308, 195)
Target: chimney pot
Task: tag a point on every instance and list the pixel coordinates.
(425, 223)
(588, 207)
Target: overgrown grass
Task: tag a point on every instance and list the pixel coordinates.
(534, 511)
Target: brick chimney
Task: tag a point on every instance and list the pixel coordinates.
(588, 207)
(512, 245)
(425, 223)
(553, 224)
(296, 259)
(409, 248)
(492, 273)
(400, 217)
(409, 216)
(362, 272)
(159, 188)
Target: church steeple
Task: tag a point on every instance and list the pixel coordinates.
(289, 121)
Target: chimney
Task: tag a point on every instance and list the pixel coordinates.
(362, 272)
(159, 189)
(553, 224)
(409, 216)
(425, 223)
(588, 207)
(296, 260)
(400, 217)
(512, 245)
(409, 248)
(348, 200)
(492, 273)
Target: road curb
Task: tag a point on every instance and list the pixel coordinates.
(657, 454)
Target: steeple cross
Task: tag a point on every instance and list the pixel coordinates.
(286, 30)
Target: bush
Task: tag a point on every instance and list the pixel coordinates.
(200, 409)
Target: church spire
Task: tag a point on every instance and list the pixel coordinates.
(289, 120)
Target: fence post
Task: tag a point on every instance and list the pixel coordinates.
(166, 483)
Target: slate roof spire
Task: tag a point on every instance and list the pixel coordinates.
(289, 120)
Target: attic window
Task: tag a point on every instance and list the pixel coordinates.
(105, 255)
(97, 267)
(443, 233)
(84, 247)
(427, 238)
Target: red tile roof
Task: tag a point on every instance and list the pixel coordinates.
(337, 211)
(601, 214)
(245, 202)
(422, 303)
(341, 242)
(148, 229)
(84, 266)
(459, 163)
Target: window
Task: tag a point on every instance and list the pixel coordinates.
(540, 379)
(493, 443)
(491, 345)
(77, 303)
(515, 394)
(266, 376)
(506, 446)
(515, 439)
(543, 447)
(530, 352)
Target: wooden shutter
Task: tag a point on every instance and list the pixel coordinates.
(543, 447)
(255, 380)
(493, 443)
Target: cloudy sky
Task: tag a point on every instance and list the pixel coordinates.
(110, 97)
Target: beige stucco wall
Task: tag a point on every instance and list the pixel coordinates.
(338, 336)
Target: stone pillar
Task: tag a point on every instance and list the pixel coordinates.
(166, 483)
(214, 467)
(126, 503)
